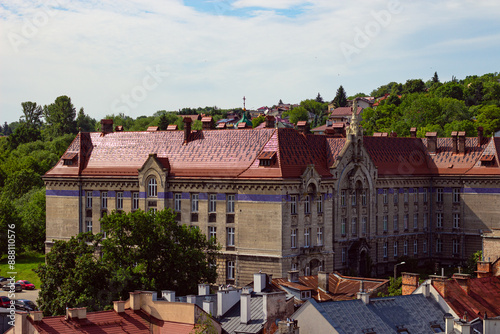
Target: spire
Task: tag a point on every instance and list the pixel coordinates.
(354, 128)
(244, 108)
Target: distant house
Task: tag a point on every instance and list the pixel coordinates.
(344, 114)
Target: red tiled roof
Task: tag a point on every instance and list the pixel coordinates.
(344, 111)
(69, 155)
(172, 127)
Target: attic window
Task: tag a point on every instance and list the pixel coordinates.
(69, 158)
(305, 295)
(488, 160)
(437, 329)
(267, 158)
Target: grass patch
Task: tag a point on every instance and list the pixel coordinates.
(25, 263)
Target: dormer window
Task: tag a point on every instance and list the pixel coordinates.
(305, 295)
(488, 160)
(267, 158)
(70, 159)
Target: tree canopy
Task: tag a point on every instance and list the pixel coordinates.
(340, 99)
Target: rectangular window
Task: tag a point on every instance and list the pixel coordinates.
(425, 246)
(307, 204)
(384, 196)
(230, 269)
(135, 201)
(307, 237)
(405, 247)
(456, 246)
(342, 225)
(405, 195)
(396, 195)
(212, 203)
(212, 232)
(426, 219)
(363, 225)
(230, 236)
(293, 205)
(230, 203)
(363, 197)
(353, 198)
(194, 202)
(293, 238)
(342, 197)
(415, 246)
(385, 223)
(415, 221)
(456, 220)
(424, 195)
(385, 249)
(439, 195)
(344, 252)
(119, 200)
(104, 200)
(456, 195)
(88, 201)
(354, 228)
(88, 227)
(415, 195)
(177, 202)
(395, 222)
(319, 203)
(395, 249)
(439, 219)
(294, 266)
(319, 239)
(439, 245)
(405, 221)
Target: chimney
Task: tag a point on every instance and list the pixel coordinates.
(82, 313)
(203, 289)
(426, 290)
(208, 306)
(365, 297)
(413, 132)
(168, 295)
(461, 142)
(293, 276)
(463, 280)
(463, 326)
(245, 308)
(71, 313)
(484, 269)
(21, 323)
(302, 127)
(135, 300)
(106, 125)
(448, 323)
(187, 129)
(323, 278)
(287, 326)
(207, 123)
(226, 299)
(119, 306)
(270, 121)
(394, 134)
(410, 283)
(259, 282)
(431, 142)
(37, 315)
(479, 135)
(191, 299)
(454, 138)
(439, 283)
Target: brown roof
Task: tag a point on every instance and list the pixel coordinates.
(344, 111)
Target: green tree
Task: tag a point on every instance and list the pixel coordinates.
(319, 99)
(257, 121)
(314, 107)
(451, 90)
(23, 134)
(394, 288)
(156, 253)
(413, 86)
(85, 122)
(435, 78)
(32, 114)
(489, 118)
(471, 265)
(60, 117)
(340, 99)
(31, 211)
(297, 114)
(8, 216)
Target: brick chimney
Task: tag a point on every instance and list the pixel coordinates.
(431, 142)
(207, 123)
(463, 280)
(270, 121)
(484, 269)
(394, 134)
(187, 129)
(413, 132)
(461, 142)
(302, 127)
(106, 125)
(323, 278)
(479, 135)
(119, 306)
(439, 283)
(410, 283)
(454, 138)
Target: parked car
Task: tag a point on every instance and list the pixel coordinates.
(3, 280)
(17, 287)
(4, 301)
(25, 305)
(26, 285)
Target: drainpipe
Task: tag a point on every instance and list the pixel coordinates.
(80, 222)
(431, 192)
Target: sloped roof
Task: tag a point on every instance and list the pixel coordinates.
(231, 322)
(344, 111)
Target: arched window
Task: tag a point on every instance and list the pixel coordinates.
(152, 188)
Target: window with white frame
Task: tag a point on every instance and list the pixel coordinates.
(405, 247)
(456, 195)
(307, 204)
(456, 246)
(405, 195)
(415, 246)
(88, 225)
(439, 245)
(104, 200)
(88, 200)
(177, 201)
(363, 197)
(230, 269)
(119, 200)
(354, 227)
(439, 195)
(395, 249)
(307, 237)
(396, 195)
(344, 252)
(152, 188)
(385, 223)
(230, 203)
(230, 236)
(294, 266)
(342, 197)
(363, 225)
(319, 239)
(385, 196)
(293, 204)
(342, 225)
(212, 203)
(424, 246)
(456, 220)
(212, 232)
(395, 222)
(426, 219)
(135, 200)
(405, 221)
(415, 220)
(194, 202)
(319, 203)
(293, 238)
(385, 249)
(424, 195)
(439, 219)
(415, 195)
(153, 210)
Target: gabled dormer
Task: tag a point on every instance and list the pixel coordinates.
(267, 159)
(70, 159)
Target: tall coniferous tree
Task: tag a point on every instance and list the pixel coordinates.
(340, 99)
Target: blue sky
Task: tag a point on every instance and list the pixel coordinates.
(138, 57)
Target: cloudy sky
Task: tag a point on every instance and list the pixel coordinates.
(138, 57)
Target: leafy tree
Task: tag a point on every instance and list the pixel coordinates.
(6, 130)
(31, 211)
(394, 288)
(319, 99)
(435, 78)
(314, 107)
(73, 276)
(20, 182)
(489, 118)
(60, 117)
(32, 114)
(466, 125)
(85, 122)
(163, 122)
(157, 253)
(451, 90)
(23, 134)
(413, 86)
(340, 99)
(471, 266)
(8, 216)
(473, 93)
(297, 114)
(257, 121)
(357, 95)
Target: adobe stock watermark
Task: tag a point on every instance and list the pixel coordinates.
(32, 25)
(221, 7)
(363, 37)
(11, 251)
(152, 79)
